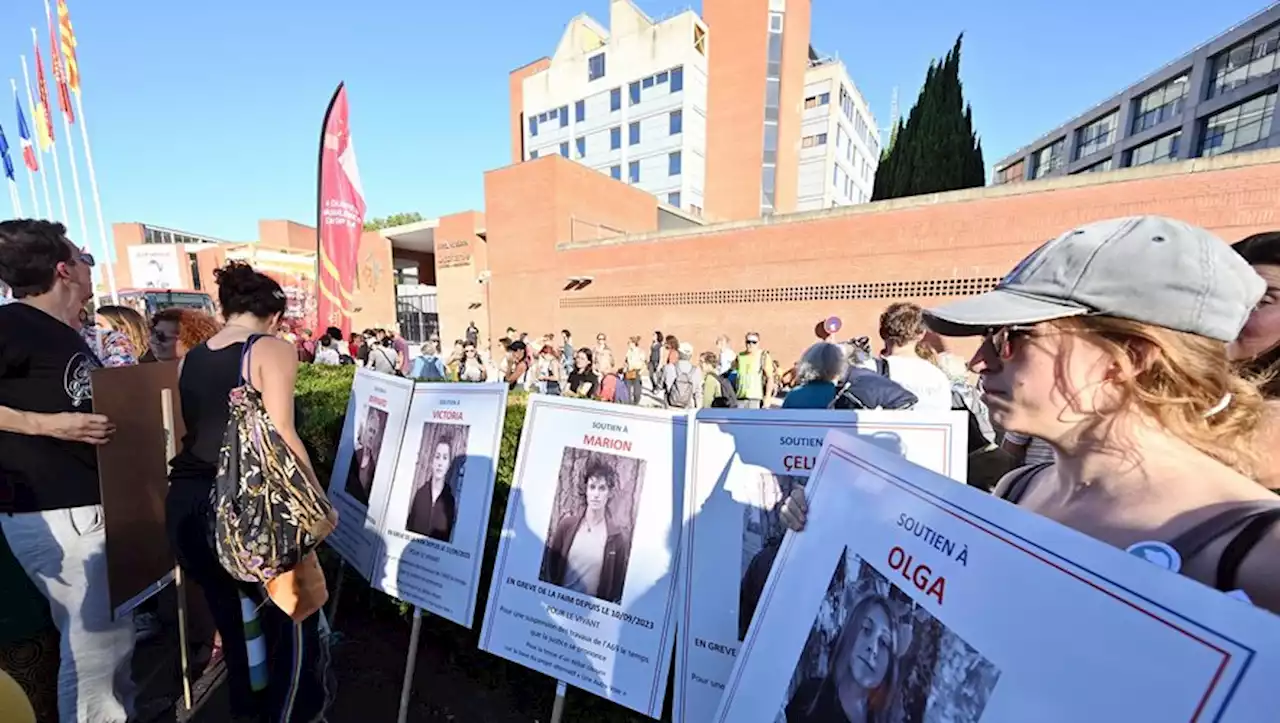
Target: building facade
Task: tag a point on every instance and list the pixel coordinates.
(718, 118)
(1219, 98)
(629, 102)
(839, 143)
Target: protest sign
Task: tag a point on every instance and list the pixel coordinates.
(910, 598)
(742, 465)
(133, 476)
(584, 584)
(437, 510)
(365, 463)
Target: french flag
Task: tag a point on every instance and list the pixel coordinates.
(28, 150)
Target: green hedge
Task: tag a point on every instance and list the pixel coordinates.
(322, 394)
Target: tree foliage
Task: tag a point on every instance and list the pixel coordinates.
(398, 219)
(935, 148)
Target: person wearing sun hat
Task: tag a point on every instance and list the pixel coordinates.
(1110, 343)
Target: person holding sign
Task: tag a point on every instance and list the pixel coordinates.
(588, 553)
(1110, 343)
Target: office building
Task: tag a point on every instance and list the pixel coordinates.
(629, 101)
(839, 143)
(1219, 98)
(720, 118)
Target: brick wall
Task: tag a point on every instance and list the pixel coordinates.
(782, 276)
(461, 259)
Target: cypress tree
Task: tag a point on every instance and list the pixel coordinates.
(936, 148)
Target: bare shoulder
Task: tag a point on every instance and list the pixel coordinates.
(273, 347)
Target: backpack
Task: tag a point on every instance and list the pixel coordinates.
(728, 396)
(865, 389)
(622, 395)
(680, 393)
(268, 514)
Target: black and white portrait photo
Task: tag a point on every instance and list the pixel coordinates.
(875, 656)
(372, 425)
(592, 523)
(437, 480)
(762, 532)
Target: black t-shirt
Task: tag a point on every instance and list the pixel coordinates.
(44, 367)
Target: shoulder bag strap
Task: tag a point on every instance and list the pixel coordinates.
(246, 356)
(1241, 545)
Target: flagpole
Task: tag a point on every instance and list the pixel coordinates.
(31, 179)
(53, 145)
(97, 201)
(71, 148)
(31, 110)
(13, 197)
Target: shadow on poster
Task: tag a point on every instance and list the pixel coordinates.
(133, 476)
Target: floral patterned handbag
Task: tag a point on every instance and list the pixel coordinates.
(268, 514)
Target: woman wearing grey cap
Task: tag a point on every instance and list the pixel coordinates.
(1110, 343)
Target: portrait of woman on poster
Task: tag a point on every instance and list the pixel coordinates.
(589, 552)
(435, 509)
(859, 686)
(364, 458)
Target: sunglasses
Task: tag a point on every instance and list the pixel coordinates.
(161, 337)
(753, 341)
(1002, 339)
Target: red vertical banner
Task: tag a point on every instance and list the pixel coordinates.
(339, 218)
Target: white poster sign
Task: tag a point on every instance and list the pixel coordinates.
(437, 511)
(911, 598)
(156, 266)
(584, 585)
(365, 464)
(742, 465)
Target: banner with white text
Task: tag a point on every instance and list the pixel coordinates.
(584, 584)
(910, 598)
(365, 464)
(437, 510)
(741, 466)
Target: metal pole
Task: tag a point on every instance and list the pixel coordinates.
(31, 179)
(410, 662)
(97, 201)
(557, 709)
(35, 140)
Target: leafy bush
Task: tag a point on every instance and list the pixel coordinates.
(322, 394)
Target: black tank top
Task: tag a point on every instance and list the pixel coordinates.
(208, 377)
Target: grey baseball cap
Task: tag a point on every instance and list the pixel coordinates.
(1149, 269)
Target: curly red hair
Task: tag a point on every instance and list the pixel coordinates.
(194, 328)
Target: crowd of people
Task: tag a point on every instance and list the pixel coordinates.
(1128, 367)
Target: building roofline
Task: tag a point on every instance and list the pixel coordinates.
(1168, 69)
(1224, 162)
(529, 64)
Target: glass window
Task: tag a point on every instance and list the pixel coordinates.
(662, 77)
(775, 22)
(595, 67)
(1048, 159)
(552, 115)
(579, 111)
(615, 99)
(811, 102)
(635, 93)
(1238, 126)
(822, 139)
(1160, 150)
(542, 118)
(581, 142)
(533, 125)
(633, 171)
(771, 136)
(633, 133)
(1097, 135)
(564, 149)
(615, 138)
(1160, 104)
(564, 116)
(1251, 58)
(647, 82)
(673, 163)
(767, 187)
(673, 199)
(676, 122)
(677, 79)
(533, 155)
(615, 172)
(824, 99)
(1010, 173)
(835, 177)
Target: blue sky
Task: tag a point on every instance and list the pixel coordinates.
(205, 116)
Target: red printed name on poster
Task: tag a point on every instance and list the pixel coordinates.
(602, 441)
(793, 462)
(450, 415)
